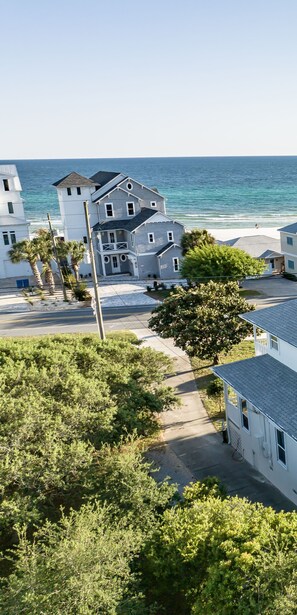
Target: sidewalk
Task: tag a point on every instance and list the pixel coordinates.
(193, 448)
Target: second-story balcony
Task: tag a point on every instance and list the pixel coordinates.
(119, 245)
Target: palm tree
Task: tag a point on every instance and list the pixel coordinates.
(27, 250)
(44, 245)
(76, 251)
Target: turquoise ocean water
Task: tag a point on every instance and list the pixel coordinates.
(208, 192)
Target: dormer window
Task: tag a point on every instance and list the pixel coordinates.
(6, 185)
(69, 191)
(274, 342)
(153, 204)
(78, 190)
(130, 209)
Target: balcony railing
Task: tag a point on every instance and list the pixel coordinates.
(261, 347)
(120, 245)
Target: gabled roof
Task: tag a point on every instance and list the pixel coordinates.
(268, 385)
(73, 179)
(168, 246)
(256, 246)
(130, 224)
(103, 177)
(112, 189)
(279, 320)
(291, 228)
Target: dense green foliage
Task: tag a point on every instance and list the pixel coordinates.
(86, 529)
(219, 262)
(196, 238)
(223, 556)
(203, 320)
(62, 399)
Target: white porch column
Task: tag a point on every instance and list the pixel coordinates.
(255, 333)
(101, 253)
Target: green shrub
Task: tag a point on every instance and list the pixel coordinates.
(215, 387)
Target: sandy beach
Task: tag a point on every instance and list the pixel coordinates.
(232, 233)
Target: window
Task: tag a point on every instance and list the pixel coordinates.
(112, 238)
(6, 185)
(69, 191)
(109, 210)
(78, 190)
(5, 238)
(175, 261)
(106, 259)
(291, 264)
(10, 208)
(85, 239)
(123, 257)
(280, 446)
(170, 236)
(151, 238)
(129, 186)
(130, 209)
(273, 342)
(12, 237)
(290, 241)
(153, 204)
(244, 414)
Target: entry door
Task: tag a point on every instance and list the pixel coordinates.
(111, 237)
(115, 264)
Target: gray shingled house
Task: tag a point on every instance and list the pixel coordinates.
(131, 232)
(261, 397)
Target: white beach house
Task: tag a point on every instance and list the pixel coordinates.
(13, 224)
(261, 398)
(288, 239)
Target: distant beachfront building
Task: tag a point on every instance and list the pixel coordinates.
(13, 224)
(131, 232)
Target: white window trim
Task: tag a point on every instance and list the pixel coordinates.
(7, 234)
(171, 233)
(153, 236)
(275, 340)
(112, 233)
(112, 212)
(129, 183)
(292, 240)
(127, 205)
(284, 465)
(175, 258)
(241, 399)
(10, 203)
(153, 203)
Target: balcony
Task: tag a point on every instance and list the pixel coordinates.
(261, 347)
(110, 247)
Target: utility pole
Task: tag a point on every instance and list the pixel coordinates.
(98, 310)
(57, 257)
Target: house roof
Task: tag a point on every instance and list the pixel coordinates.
(279, 320)
(129, 224)
(256, 246)
(291, 228)
(268, 385)
(73, 179)
(111, 189)
(103, 177)
(168, 246)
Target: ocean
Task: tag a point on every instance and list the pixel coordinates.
(227, 192)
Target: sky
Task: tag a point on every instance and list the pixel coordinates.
(129, 78)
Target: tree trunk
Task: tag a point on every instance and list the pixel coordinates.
(75, 271)
(216, 359)
(49, 279)
(36, 274)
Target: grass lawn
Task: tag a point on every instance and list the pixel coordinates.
(249, 292)
(214, 405)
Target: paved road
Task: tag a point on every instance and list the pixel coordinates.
(70, 321)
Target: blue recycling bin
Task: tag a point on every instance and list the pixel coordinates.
(22, 283)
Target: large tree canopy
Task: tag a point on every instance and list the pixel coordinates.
(196, 238)
(217, 262)
(203, 320)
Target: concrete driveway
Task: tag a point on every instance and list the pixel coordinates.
(274, 289)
